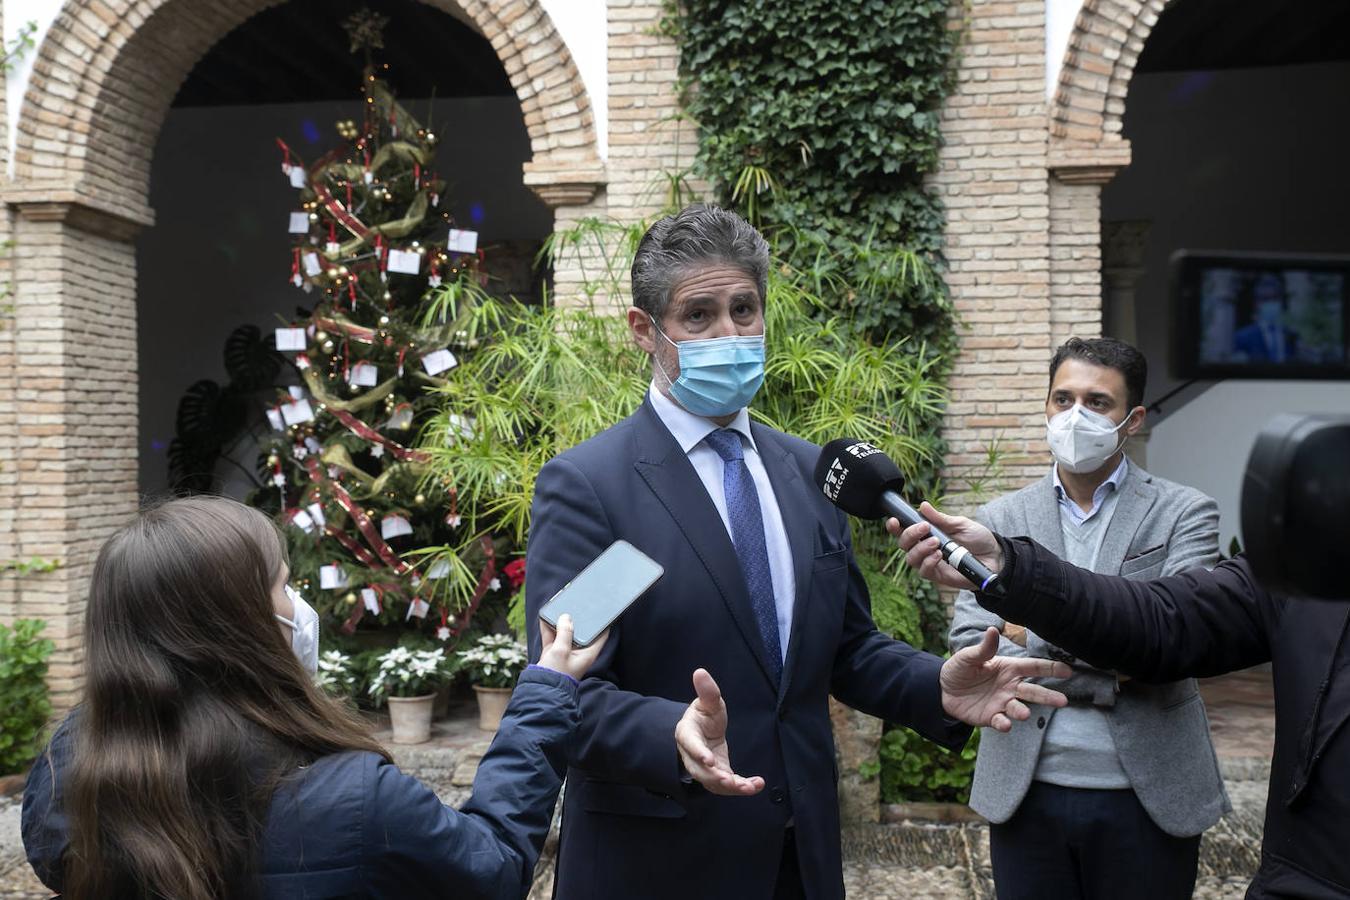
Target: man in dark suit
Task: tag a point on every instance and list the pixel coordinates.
(760, 590)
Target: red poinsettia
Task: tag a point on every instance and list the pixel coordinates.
(515, 572)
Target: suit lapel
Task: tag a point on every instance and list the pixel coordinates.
(667, 471)
(799, 524)
(1043, 516)
(1137, 496)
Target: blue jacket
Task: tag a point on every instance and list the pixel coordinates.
(632, 827)
(353, 825)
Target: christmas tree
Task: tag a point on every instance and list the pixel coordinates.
(389, 275)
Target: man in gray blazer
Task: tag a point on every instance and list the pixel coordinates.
(1106, 797)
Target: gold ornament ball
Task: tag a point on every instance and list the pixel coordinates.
(273, 459)
(320, 336)
(420, 499)
(384, 320)
(350, 598)
(314, 217)
(327, 346)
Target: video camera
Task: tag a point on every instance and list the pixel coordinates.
(1296, 505)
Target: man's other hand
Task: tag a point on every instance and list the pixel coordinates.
(701, 738)
(983, 689)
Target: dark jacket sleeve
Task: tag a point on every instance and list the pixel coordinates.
(490, 847)
(624, 736)
(884, 677)
(1196, 624)
(45, 828)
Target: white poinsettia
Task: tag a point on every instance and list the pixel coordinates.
(402, 672)
(494, 660)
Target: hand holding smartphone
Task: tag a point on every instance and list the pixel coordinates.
(601, 592)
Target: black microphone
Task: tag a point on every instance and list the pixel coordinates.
(864, 482)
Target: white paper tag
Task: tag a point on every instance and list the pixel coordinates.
(274, 417)
(299, 223)
(439, 569)
(315, 511)
(439, 361)
(461, 426)
(462, 241)
(364, 374)
(332, 578)
(404, 262)
(297, 412)
(371, 599)
(296, 391)
(290, 338)
(313, 266)
(394, 526)
(303, 521)
(297, 175)
(418, 608)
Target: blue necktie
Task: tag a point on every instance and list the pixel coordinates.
(747, 534)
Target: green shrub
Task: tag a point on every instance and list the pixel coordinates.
(914, 769)
(893, 607)
(24, 707)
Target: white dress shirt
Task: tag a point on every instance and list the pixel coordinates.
(689, 431)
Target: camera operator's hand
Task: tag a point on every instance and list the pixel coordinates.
(922, 549)
(559, 654)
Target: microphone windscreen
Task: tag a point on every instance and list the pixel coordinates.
(852, 474)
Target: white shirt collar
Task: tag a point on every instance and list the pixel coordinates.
(688, 429)
(1111, 483)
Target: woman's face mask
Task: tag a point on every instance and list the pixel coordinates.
(304, 628)
(718, 376)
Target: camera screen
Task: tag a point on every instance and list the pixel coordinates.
(1261, 317)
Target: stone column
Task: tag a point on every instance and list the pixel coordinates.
(74, 390)
(1123, 245)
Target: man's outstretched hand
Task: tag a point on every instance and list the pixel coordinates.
(923, 555)
(701, 738)
(982, 689)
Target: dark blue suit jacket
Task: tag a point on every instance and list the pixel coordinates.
(353, 825)
(631, 826)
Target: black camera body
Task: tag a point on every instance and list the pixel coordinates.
(1296, 506)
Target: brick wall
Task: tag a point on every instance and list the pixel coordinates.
(996, 188)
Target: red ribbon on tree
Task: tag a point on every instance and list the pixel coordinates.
(361, 429)
(350, 329)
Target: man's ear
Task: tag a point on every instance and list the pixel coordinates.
(1140, 415)
(640, 327)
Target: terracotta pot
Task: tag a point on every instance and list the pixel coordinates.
(410, 718)
(491, 704)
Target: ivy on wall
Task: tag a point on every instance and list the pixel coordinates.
(819, 122)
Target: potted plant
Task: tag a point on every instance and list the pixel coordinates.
(408, 679)
(336, 674)
(493, 663)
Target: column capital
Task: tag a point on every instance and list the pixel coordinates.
(566, 182)
(78, 207)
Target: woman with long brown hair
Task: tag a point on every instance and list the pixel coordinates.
(204, 763)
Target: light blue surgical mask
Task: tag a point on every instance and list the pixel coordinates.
(718, 376)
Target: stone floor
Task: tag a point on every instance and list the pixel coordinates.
(909, 860)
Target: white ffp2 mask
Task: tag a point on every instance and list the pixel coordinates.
(1081, 440)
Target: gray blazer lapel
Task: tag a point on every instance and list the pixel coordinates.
(1043, 516)
(1137, 496)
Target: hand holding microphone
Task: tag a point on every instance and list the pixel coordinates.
(864, 482)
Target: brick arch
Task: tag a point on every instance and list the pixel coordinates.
(1089, 103)
(108, 70)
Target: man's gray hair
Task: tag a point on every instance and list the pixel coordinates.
(695, 237)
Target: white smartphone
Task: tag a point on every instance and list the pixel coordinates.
(602, 591)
